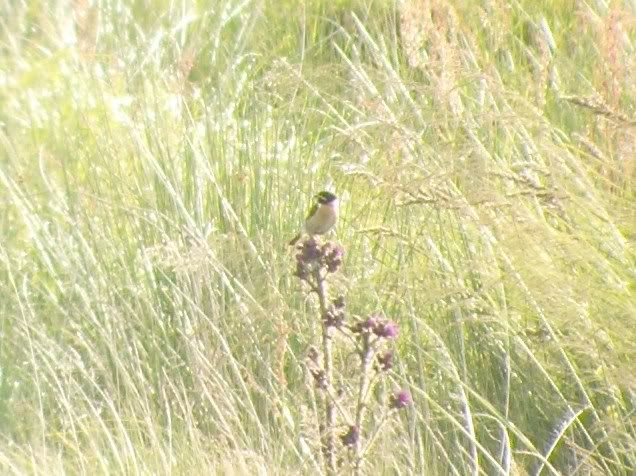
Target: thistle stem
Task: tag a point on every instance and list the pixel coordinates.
(328, 429)
(361, 404)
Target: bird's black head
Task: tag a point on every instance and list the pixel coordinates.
(326, 197)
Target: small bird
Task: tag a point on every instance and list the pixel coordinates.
(322, 216)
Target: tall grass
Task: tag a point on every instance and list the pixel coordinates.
(157, 156)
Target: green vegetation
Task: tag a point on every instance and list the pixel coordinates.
(156, 157)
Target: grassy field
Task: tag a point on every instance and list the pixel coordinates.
(156, 156)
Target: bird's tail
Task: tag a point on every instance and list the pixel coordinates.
(294, 240)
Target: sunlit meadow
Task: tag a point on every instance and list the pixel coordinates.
(157, 156)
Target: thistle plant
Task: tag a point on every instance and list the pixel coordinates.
(346, 436)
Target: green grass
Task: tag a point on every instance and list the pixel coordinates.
(154, 163)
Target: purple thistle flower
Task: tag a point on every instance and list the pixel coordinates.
(333, 255)
(308, 251)
(301, 272)
(333, 317)
(367, 325)
(401, 399)
(385, 360)
(386, 329)
(351, 437)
